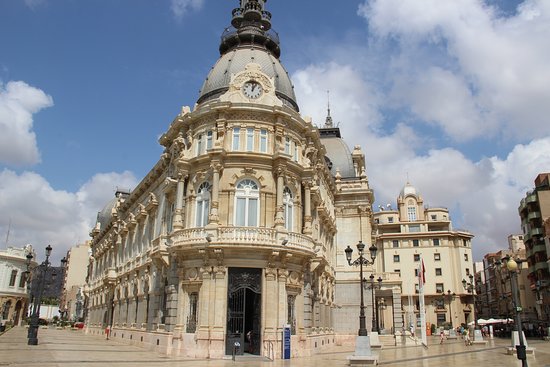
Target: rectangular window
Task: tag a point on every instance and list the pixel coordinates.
(395, 243)
(13, 277)
(415, 243)
(416, 272)
(263, 141)
(295, 152)
(236, 138)
(434, 217)
(193, 307)
(441, 319)
(199, 144)
(436, 241)
(252, 212)
(465, 257)
(390, 219)
(398, 271)
(414, 228)
(437, 257)
(439, 288)
(240, 212)
(250, 139)
(209, 136)
(411, 211)
(467, 271)
(287, 145)
(416, 257)
(438, 271)
(23, 279)
(416, 288)
(395, 258)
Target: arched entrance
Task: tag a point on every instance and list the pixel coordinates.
(17, 316)
(244, 299)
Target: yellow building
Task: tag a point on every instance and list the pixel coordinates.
(411, 233)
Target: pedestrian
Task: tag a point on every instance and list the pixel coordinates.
(441, 337)
(467, 340)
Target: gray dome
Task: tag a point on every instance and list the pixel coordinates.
(105, 216)
(234, 61)
(340, 156)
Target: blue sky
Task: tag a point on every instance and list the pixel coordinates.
(452, 94)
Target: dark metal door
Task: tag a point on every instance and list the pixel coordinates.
(244, 311)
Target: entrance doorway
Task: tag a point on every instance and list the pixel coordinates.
(244, 299)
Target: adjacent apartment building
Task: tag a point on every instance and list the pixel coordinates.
(534, 211)
(411, 233)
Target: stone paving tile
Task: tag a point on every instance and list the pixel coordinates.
(64, 348)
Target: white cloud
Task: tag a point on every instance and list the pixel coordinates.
(181, 7)
(498, 67)
(18, 103)
(41, 215)
(33, 4)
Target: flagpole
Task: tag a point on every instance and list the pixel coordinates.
(421, 282)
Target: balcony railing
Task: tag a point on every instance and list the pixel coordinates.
(242, 236)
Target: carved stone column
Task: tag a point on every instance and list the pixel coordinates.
(271, 294)
(214, 218)
(279, 210)
(205, 300)
(178, 216)
(282, 296)
(307, 207)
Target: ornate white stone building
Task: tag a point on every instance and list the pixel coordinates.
(14, 298)
(240, 227)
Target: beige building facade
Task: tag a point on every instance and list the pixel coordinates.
(410, 234)
(241, 226)
(71, 304)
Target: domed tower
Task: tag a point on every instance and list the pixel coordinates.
(250, 39)
(232, 234)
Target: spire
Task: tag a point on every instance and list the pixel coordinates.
(328, 121)
(251, 25)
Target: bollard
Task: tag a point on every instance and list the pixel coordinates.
(236, 347)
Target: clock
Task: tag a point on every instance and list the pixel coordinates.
(252, 89)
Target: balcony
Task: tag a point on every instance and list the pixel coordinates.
(536, 232)
(110, 276)
(531, 198)
(541, 247)
(533, 215)
(243, 236)
(541, 266)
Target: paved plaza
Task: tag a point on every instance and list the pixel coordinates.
(73, 348)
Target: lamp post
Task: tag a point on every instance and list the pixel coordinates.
(451, 297)
(41, 272)
(375, 318)
(360, 262)
(514, 266)
(470, 288)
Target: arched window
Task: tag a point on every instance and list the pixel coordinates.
(247, 206)
(203, 204)
(411, 211)
(288, 205)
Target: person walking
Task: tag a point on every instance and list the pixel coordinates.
(441, 337)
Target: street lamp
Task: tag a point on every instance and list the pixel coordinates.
(41, 272)
(514, 266)
(361, 260)
(375, 318)
(470, 287)
(451, 297)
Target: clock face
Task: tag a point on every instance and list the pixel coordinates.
(252, 89)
